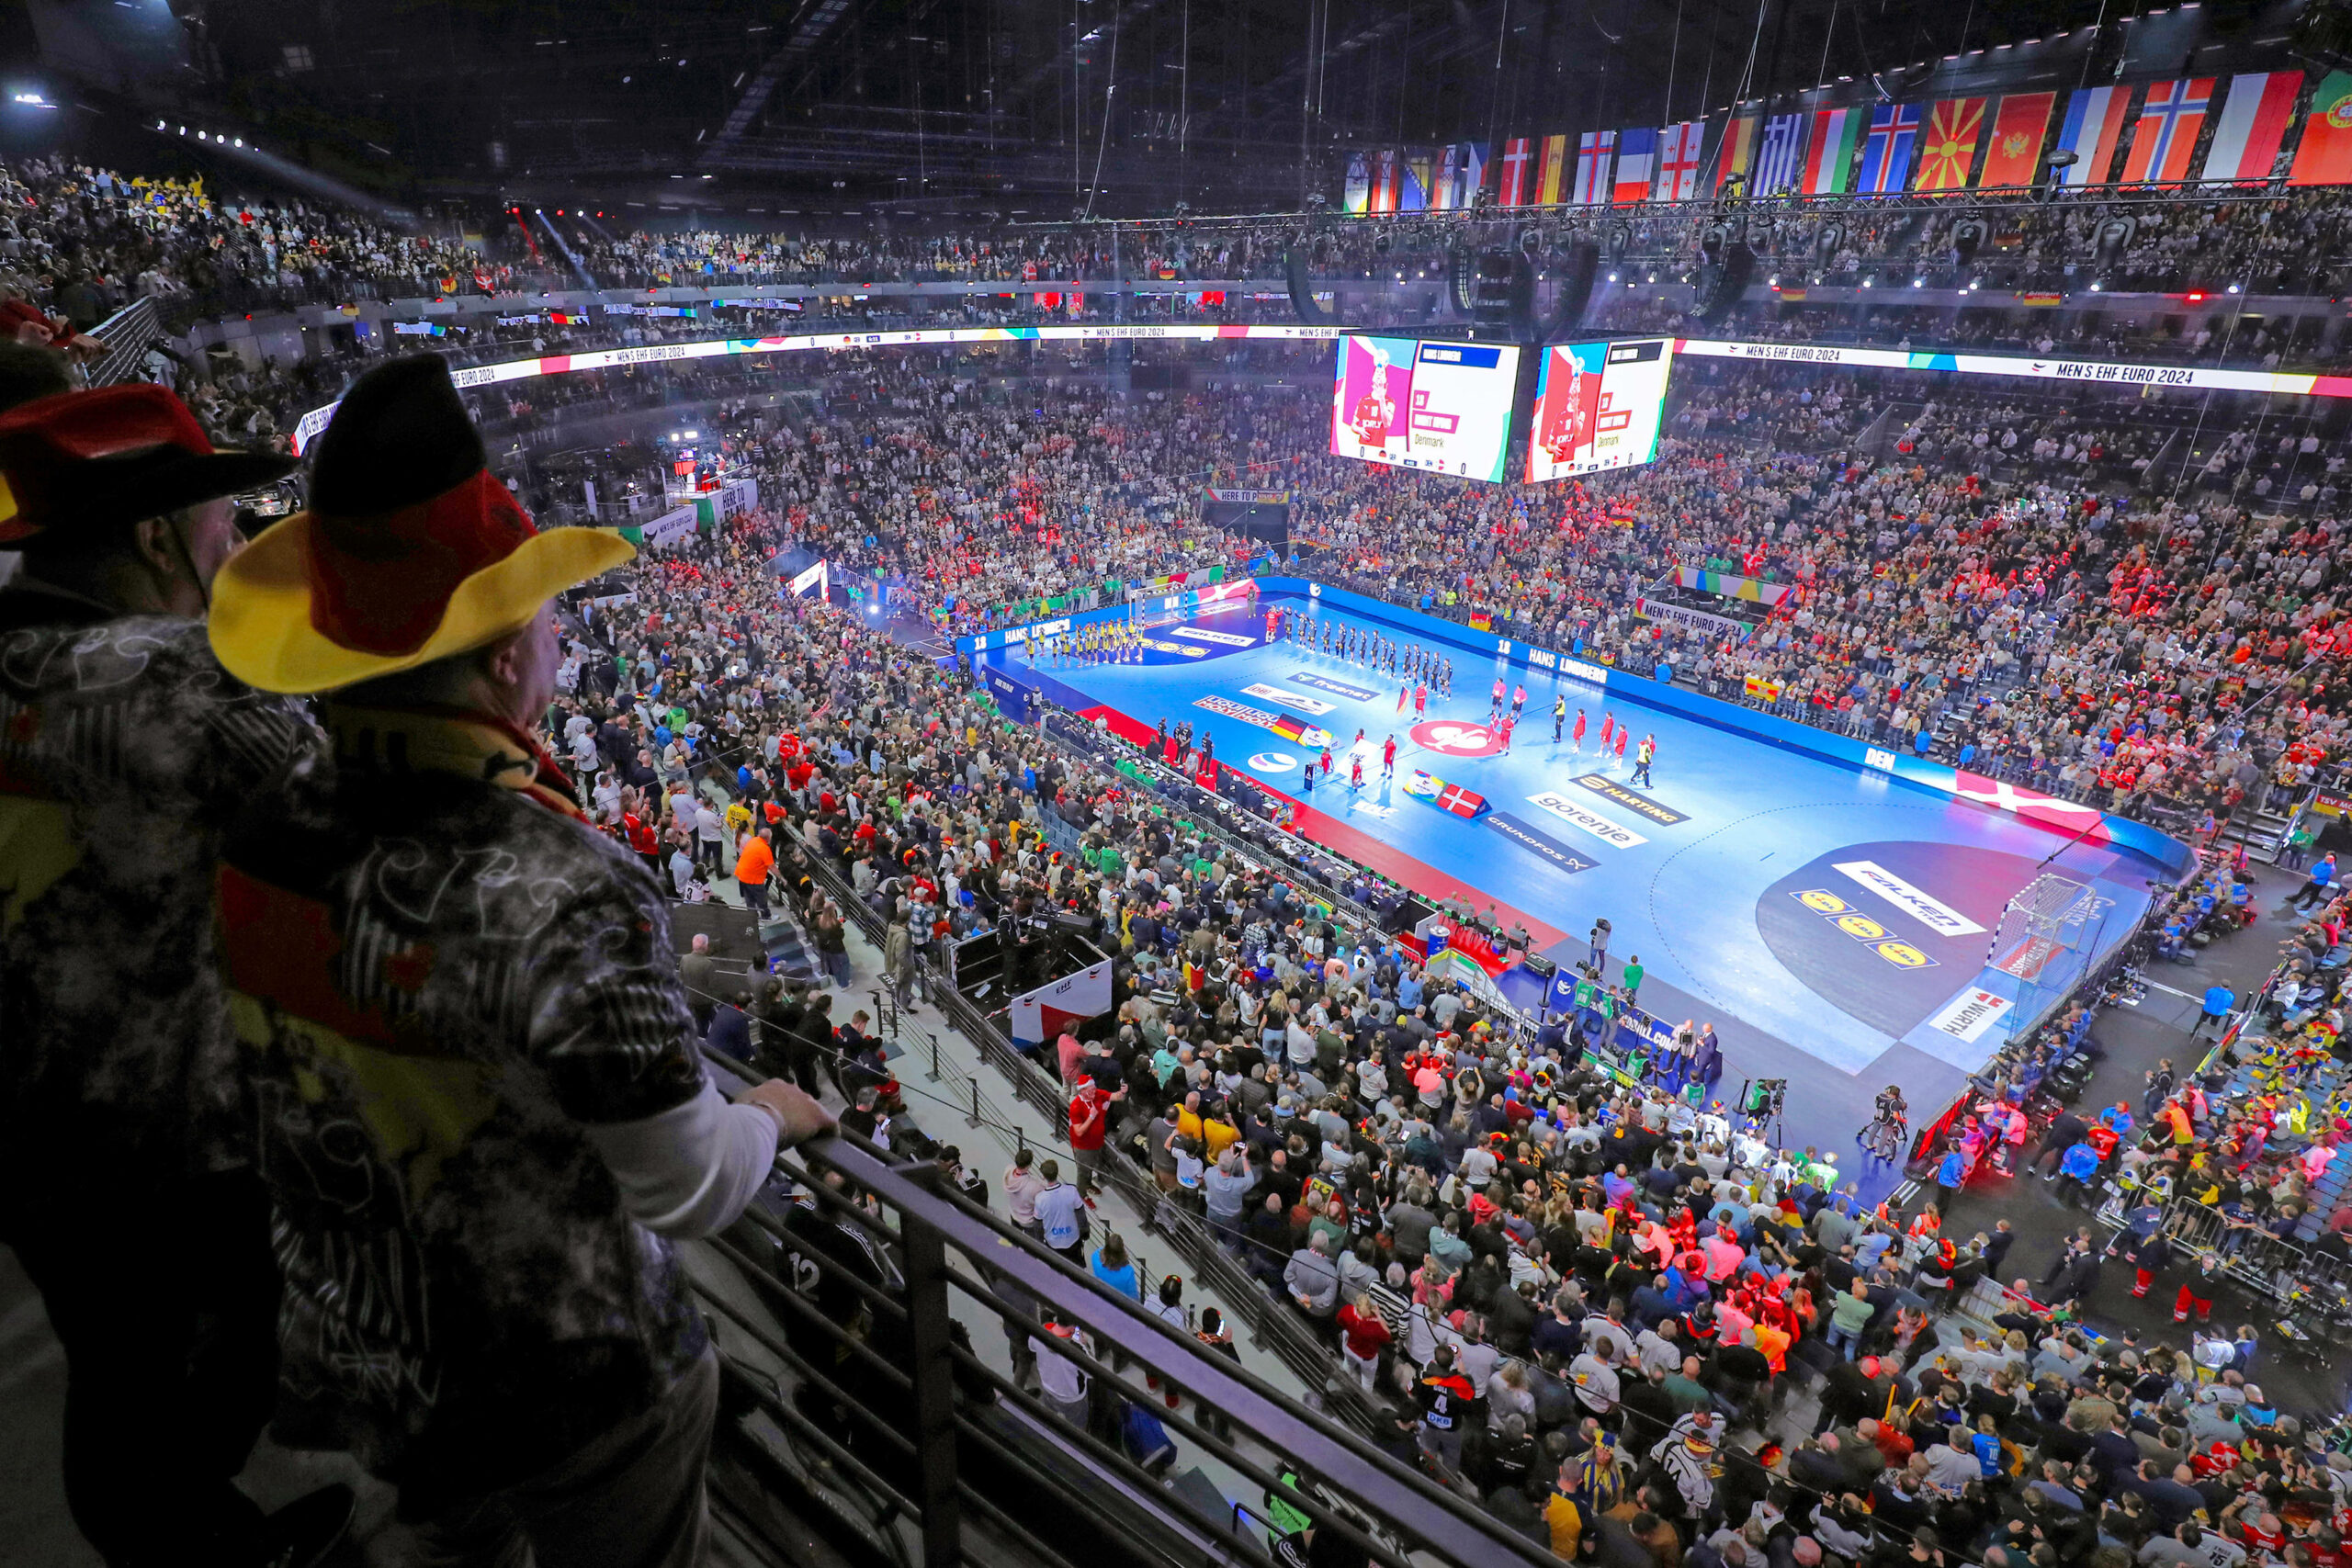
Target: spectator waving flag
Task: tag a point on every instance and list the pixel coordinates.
(1636, 156)
(1779, 157)
(1886, 150)
(2170, 118)
(2093, 125)
(1830, 161)
(2252, 125)
(1518, 183)
(1680, 151)
(1949, 150)
(1593, 149)
(2014, 157)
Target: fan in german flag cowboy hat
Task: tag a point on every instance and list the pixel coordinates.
(410, 553)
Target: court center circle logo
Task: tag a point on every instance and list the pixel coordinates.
(1272, 762)
(1454, 738)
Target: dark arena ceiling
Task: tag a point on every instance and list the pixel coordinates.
(958, 107)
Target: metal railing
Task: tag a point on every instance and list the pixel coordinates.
(843, 1335)
(1271, 1323)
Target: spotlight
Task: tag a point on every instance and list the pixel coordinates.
(2234, 288)
(1613, 278)
(2095, 286)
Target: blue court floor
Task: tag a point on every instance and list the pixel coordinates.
(1834, 925)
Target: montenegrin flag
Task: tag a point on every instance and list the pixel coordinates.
(1443, 795)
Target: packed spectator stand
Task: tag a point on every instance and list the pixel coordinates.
(1584, 1301)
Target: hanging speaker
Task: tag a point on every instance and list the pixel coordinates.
(1575, 291)
(1302, 292)
(1462, 277)
(1723, 278)
(2114, 237)
(1968, 236)
(1827, 239)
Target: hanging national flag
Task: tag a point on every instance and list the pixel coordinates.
(1738, 150)
(1779, 157)
(2015, 156)
(1552, 171)
(2094, 124)
(1637, 157)
(1444, 188)
(1518, 183)
(1836, 134)
(2170, 118)
(1949, 150)
(1413, 189)
(1469, 173)
(1886, 149)
(1384, 181)
(1593, 151)
(1680, 150)
(2324, 157)
(1355, 185)
(2252, 125)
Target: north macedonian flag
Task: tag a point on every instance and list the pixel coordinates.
(1949, 150)
(1443, 795)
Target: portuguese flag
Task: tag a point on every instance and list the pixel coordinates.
(2325, 158)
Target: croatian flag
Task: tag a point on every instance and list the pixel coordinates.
(1681, 151)
(1637, 157)
(1886, 151)
(1593, 149)
(1518, 184)
(2252, 125)
(1780, 160)
(2093, 125)
(2170, 118)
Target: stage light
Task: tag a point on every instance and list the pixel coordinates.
(2234, 288)
(2095, 286)
(239, 141)
(1918, 283)
(872, 609)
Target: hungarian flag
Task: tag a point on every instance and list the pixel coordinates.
(2325, 158)
(1948, 149)
(2253, 124)
(2014, 157)
(1836, 134)
(2170, 118)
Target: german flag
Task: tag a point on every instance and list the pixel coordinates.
(1289, 729)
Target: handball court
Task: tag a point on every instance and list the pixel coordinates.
(1840, 927)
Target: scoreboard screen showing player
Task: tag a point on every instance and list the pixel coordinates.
(1443, 407)
(1598, 407)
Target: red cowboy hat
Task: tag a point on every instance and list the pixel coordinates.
(114, 454)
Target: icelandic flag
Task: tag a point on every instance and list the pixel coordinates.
(2170, 118)
(1780, 160)
(1518, 185)
(2093, 125)
(1593, 149)
(1886, 151)
(2252, 125)
(1637, 157)
(1681, 151)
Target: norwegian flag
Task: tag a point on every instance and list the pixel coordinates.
(2170, 118)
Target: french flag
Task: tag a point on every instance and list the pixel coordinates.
(2251, 127)
(1636, 160)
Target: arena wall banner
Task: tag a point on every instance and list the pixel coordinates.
(819, 576)
(1705, 623)
(2058, 816)
(2203, 378)
(669, 527)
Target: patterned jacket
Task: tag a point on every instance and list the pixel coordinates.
(441, 974)
(125, 752)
